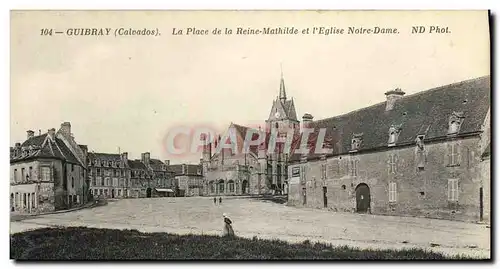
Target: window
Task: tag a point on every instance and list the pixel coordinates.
(453, 190)
(453, 127)
(454, 122)
(231, 186)
(102, 181)
(15, 176)
(392, 192)
(94, 182)
(23, 175)
(354, 167)
(30, 173)
(303, 174)
(453, 154)
(393, 159)
(98, 171)
(72, 167)
(46, 174)
(72, 182)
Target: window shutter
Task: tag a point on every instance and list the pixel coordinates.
(448, 155)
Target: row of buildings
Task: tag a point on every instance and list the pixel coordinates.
(51, 171)
(426, 154)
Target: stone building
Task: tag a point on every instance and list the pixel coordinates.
(417, 155)
(115, 176)
(161, 178)
(258, 170)
(48, 172)
(188, 179)
(109, 175)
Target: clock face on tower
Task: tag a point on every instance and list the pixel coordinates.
(277, 114)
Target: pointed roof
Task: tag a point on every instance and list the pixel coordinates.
(282, 95)
(43, 146)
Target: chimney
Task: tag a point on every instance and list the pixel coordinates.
(66, 128)
(125, 156)
(39, 132)
(30, 134)
(51, 133)
(306, 120)
(145, 157)
(167, 162)
(184, 170)
(17, 146)
(392, 97)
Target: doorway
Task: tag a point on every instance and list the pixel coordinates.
(304, 196)
(325, 199)
(362, 198)
(148, 193)
(112, 193)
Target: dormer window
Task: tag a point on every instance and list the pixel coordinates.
(356, 141)
(394, 131)
(455, 122)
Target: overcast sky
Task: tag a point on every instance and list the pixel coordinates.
(128, 92)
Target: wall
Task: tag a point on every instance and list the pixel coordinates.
(373, 170)
(46, 198)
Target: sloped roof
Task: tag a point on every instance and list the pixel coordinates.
(290, 109)
(104, 156)
(42, 146)
(192, 169)
(136, 164)
(425, 113)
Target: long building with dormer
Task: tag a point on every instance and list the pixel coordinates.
(425, 154)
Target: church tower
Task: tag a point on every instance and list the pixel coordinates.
(282, 119)
(283, 115)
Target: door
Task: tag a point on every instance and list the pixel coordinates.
(244, 187)
(148, 193)
(362, 198)
(325, 199)
(113, 193)
(304, 196)
(481, 206)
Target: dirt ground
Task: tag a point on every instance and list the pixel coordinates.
(270, 220)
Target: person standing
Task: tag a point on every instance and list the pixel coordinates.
(220, 200)
(228, 228)
(215, 200)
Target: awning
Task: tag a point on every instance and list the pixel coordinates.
(164, 190)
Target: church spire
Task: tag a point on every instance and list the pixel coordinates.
(282, 86)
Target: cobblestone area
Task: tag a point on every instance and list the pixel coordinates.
(270, 220)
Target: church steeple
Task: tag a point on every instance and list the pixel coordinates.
(282, 96)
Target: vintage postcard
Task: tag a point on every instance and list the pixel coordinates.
(250, 135)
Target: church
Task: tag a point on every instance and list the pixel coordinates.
(257, 170)
(426, 155)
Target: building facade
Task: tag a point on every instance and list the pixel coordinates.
(419, 155)
(109, 175)
(258, 170)
(188, 179)
(115, 176)
(48, 172)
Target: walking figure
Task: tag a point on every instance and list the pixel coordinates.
(228, 229)
(215, 200)
(220, 200)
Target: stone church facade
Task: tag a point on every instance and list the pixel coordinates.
(258, 170)
(426, 154)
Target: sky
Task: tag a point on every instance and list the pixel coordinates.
(125, 93)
